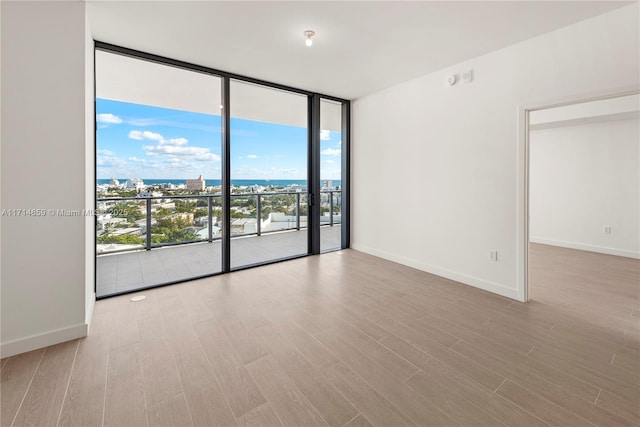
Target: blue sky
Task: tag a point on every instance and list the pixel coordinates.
(141, 141)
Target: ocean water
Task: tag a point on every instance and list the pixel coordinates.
(237, 182)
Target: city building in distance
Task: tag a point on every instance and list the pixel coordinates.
(196, 184)
(134, 184)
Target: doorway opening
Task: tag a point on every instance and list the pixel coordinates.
(582, 191)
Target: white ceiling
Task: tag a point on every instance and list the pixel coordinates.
(360, 47)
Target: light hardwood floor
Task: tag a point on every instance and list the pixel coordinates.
(347, 339)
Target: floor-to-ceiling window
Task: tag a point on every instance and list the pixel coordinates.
(331, 171)
(158, 170)
(268, 165)
(200, 172)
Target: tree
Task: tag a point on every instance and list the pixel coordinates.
(171, 230)
(185, 206)
(201, 212)
(162, 213)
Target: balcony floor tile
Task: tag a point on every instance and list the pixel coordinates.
(133, 270)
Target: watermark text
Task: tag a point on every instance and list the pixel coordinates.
(57, 212)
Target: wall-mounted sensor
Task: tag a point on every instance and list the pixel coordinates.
(467, 77)
(451, 80)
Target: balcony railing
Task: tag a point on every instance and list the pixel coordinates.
(135, 223)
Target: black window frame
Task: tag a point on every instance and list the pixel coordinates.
(313, 170)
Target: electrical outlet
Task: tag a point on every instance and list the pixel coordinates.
(493, 256)
(607, 229)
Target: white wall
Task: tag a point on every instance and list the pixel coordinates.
(584, 178)
(446, 159)
(44, 290)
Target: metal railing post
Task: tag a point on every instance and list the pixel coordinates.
(298, 211)
(259, 207)
(148, 246)
(210, 217)
(331, 208)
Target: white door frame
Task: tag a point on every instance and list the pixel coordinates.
(522, 238)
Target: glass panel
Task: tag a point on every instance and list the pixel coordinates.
(121, 225)
(330, 175)
(268, 174)
(158, 145)
(179, 220)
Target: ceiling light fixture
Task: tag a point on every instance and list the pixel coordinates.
(308, 34)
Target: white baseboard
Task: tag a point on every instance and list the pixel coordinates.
(486, 285)
(35, 342)
(586, 247)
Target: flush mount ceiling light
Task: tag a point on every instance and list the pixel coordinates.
(308, 34)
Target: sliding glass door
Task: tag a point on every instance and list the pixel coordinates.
(268, 165)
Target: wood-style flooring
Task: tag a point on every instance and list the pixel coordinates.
(348, 339)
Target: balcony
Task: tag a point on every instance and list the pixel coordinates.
(184, 238)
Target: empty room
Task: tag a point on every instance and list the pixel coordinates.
(361, 213)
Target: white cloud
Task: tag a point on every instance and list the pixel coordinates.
(172, 151)
(252, 156)
(137, 160)
(329, 162)
(136, 134)
(109, 161)
(325, 134)
(105, 152)
(108, 118)
(207, 157)
(332, 152)
(172, 148)
(174, 141)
